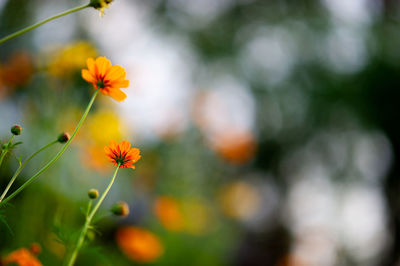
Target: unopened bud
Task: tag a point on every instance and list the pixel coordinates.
(120, 209)
(63, 137)
(93, 193)
(99, 3)
(91, 235)
(16, 130)
(36, 248)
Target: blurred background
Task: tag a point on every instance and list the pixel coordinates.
(268, 131)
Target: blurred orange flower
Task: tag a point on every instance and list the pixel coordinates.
(17, 71)
(139, 244)
(109, 79)
(167, 211)
(21, 257)
(291, 260)
(237, 147)
(94, 158)
(122, 154)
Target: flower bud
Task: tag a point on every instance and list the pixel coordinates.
(100, 5)
(36, 249)
(91, 235)
(120, 209)
(93, 193)
(16, 130)
(63, 137)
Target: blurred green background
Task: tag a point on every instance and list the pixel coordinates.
(268, 131)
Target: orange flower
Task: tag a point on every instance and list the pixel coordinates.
(139, 244)
(122, 154)
(21, 257)
(109, 79)
(237, 147)
(167, 211)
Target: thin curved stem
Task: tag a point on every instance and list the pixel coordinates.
(21, 166)
(89, 218)
(29, 28)
(34, 177)
(5, 151)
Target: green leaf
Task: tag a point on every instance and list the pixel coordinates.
(4, 221)
(15, 144)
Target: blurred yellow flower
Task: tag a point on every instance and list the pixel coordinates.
(70, 58)
(94, 158)
(93, 140)
(167, 211)
(21, 257)
(198, 217)
(240, 200)
(139, 244)
(104, 125)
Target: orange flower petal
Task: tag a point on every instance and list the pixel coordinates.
(109, 79)
(120, 84)
(125, 145)
(103, 65)
(116, 72)
(122, 154)
(117, 95)
(86, 75)
(91, 66)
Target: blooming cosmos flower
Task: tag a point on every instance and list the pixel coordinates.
(139, 244)
(108, 79)
(122, 154)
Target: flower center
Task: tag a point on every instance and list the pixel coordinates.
(100, 84)
(120, 159)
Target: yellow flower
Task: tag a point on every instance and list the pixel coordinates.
(240, 200)
(198, 216)
(93, 140)
(110, 124)
(70, 58)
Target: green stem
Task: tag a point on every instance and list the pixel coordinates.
(34, 177)
(29, 28)
(21, 166)
(89, 207)
(5, 151)
(89, 218)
